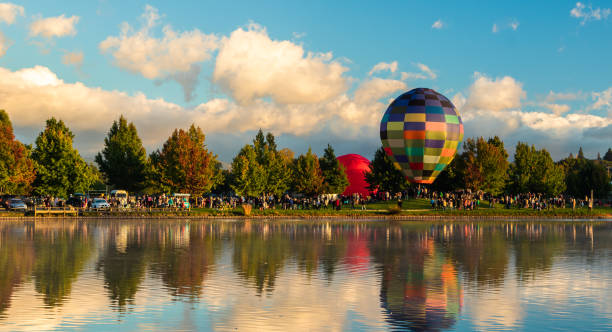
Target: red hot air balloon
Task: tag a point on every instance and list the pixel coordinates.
(355, 166)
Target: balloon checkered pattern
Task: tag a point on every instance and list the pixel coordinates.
(421, 132)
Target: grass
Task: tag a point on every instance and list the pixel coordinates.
(411, 207)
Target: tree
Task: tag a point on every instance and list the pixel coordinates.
(334, 175)
(123, 160)
(583, 175)
(534, 171)
(485, 164)
(307, 174)
(608, 155)
(248, 176)
(384, 175)
(451, 178)
(60, 170)
(185, 165)
(581, 154)
(266, 172)
(16, 167)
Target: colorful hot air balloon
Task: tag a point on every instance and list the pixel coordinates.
(420, 132)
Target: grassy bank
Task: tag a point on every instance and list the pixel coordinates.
(410, 209)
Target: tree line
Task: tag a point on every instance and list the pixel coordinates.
(483, 165)
(53, 167)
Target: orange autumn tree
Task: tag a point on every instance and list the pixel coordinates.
(185, 165)
(16, 167)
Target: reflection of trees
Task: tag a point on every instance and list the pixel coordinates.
(481, 252)
(260, 251)
(535, 247)
(317, 245)
(16, 262)
(61, 253)
(183, 267)
(123, 263)
(419, 288)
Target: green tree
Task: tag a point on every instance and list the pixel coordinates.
(384, 175)
(60, 170)
(264, 172)
(485, 164)
(307, 175)
(608, 155)
(534, 171)
(451, 178)
(123, 160)
(582, 176)
(335, 179)
(185, 165)
(16, 167)
(247, 176)
(581, 154)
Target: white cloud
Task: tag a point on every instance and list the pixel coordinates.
(9, 12)
(174, 56)
(588, 13)
(58, 26)
(250, 65)
(382, 66)
(494, 94)
(514, 25)
(554, 96)
(603, 100)
(4, 44)
(426, 73)
(73, 59)
(557, 109)
(438, 24)
(32, 95)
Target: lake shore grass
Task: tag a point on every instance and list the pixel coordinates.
(413, 209)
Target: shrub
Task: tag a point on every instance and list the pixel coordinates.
(246, 209)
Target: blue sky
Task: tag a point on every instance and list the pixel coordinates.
(311, 72)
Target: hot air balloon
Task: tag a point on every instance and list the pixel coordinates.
(355, 167)
(420, 132)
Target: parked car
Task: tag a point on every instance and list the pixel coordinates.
(17, 204)
(99, 203)
(76, 202)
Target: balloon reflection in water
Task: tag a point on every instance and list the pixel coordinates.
(420, 289)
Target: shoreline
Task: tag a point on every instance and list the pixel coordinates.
(365, 217)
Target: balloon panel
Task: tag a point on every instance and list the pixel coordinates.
(421, 131)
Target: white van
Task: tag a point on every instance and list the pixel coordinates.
(120, 195)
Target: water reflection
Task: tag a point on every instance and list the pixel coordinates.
(317, 275)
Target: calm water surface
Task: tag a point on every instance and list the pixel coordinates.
(315, 275)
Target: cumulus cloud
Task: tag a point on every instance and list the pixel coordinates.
(382, 66)
(588, 13)
(556, 108)
(59, 26)
(494, 107)
(494, 94)
(437, 25)
(174, 56)
(250, 65)
(603, 100)
(9, 12)
(424, 74)
(73, 59)
(4, 44)
(32, 95)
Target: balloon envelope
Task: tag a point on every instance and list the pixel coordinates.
(355, 166)
(421, 131)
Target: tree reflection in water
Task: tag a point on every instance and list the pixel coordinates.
(422, 267)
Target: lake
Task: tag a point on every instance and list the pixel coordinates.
(318, 275)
